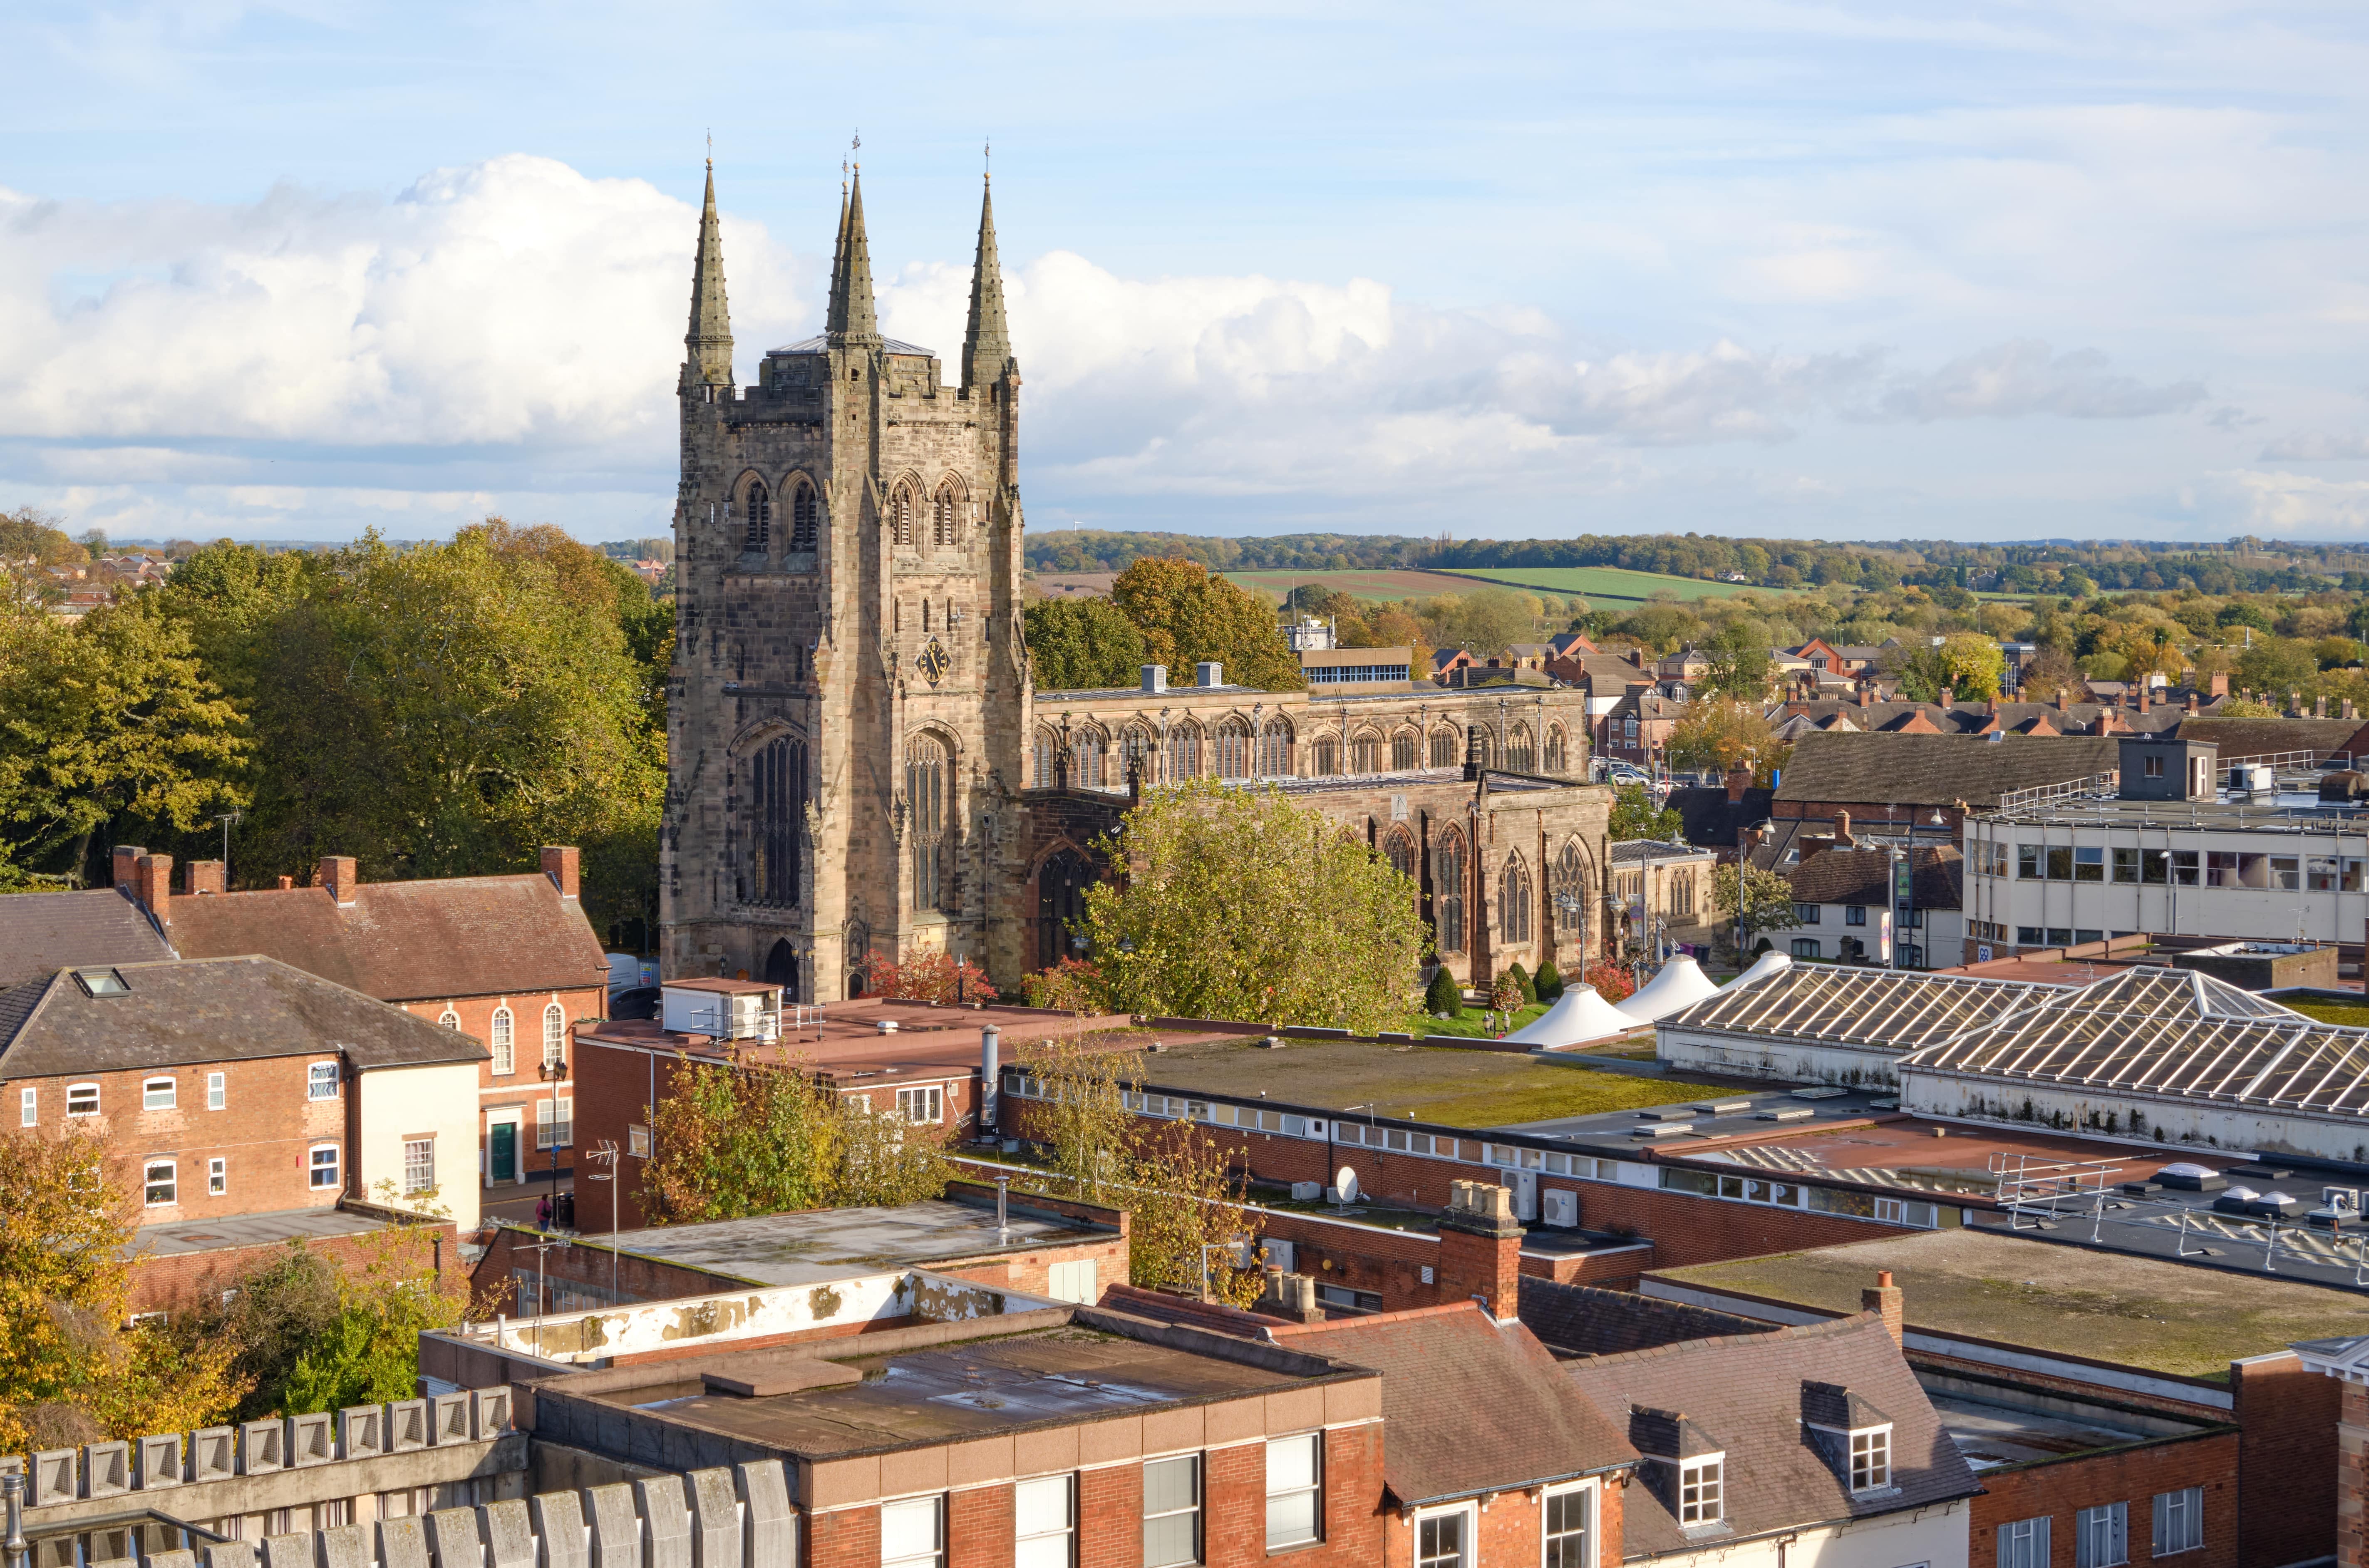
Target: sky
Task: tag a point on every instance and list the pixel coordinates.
(1843, 270)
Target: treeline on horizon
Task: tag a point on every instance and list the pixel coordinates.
(2244, 564)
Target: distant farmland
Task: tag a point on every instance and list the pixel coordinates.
(1380, 583)
(1610, 583)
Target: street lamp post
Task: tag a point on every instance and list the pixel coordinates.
(554, 1071)
(226, 818)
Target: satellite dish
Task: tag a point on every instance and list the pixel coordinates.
(1345, 1182)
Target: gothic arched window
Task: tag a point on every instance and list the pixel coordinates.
(758, 506)
(1086, 759)
(1275, 750)
(928, 781)
(1398, 848)
(1406, 748)
(804, 523)
(1184, 752)
(1366, 753)
(555, 1033)
(1137, 749)
(942, 516)
(777, 803)
(1328, 756)
(1448, 892)
(1514, 901)
(1520, 754)
(1443, 748)
(1233, 748)
(900, 516)
(1558, 750)
(1060, 904)
(1044, 764)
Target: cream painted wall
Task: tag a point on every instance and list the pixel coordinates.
(1915, 1537)
(406, 1102)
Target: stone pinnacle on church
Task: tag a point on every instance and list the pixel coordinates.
(853, 320)
(987, 342)
(709, 341)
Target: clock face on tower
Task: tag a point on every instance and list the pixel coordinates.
(933, 662)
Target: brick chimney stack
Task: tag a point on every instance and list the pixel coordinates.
(1481, 1248)
(1842, 830)
(1867, 693)
(127, 864)
(336, 872)
(2220, 686)
(1949, 699)
(202, 877)
(2146, 696)
(559, 863)
(1885, 1301)
(2191, 702)
(152, 884)
(1738, 781)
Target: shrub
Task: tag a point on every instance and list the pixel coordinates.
(1444, 998)
(1522, 981)
(1549, 984)
(928, 977)
(1611, 980)
(1073, 985)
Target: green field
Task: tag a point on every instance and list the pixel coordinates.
(1609, 583)
(1382, 585)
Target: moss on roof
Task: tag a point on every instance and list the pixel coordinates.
(2108, 1306)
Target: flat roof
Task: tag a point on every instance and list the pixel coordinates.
(968, 1387)
(248, 1230)
(2106, 1305)
(1465, 1088)
(832, 1244)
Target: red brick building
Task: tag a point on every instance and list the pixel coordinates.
(509, 962)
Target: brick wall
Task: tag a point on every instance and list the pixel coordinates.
(2353, 1444)
(2058, 1488)
(177, 1282)
(518, 1093)
(264, 1133)
(2286, 1466)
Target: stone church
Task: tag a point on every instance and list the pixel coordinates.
(858, 767)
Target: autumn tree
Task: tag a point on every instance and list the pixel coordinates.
(1187, 617)
(1634, 816)
(71, 1370)
(1081, 643)
(1965, 664)
(1739, 658)
(1242, 903)
(1751, 900)
(1723, 735)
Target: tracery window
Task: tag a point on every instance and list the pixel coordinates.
(1405, 752)
(1558, 750)
(757, 507)
(1520, 755)
(941, 521)
(1443, 748)
(803, 520)
(1398, 848)
(928, 781)
(1514, 901)
(1328, 756)
(1275, 750)
(1137, 749)
(1233, 748)
(1184, 752)
(900, 516)
(1366, 754)
(1086, 759)
(1448, 892)
(1042, 766)
(777, 804)
(1570, 876)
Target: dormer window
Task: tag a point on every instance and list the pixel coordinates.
(1855, 1436)
(1870, 1459)
(1702, 1489)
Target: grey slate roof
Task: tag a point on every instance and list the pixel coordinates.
(2269, 737)
(176, 1014)
(43, 933)
(1864, 877)
(1586, 1320)
(1937, 770)
(1747, 1393)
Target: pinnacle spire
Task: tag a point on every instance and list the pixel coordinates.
(709, 341)
(852, 319)
(987, 342)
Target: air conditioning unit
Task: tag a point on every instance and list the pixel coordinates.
(1562, 1206)
(1279, 1254)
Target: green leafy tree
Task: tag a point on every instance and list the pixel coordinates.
(1243, 903)
(1083, 643)
(1739, 658)
(1752, 899)
(1444, 998)
(1634, 816)
(1722, 735)
(2277, 665)
(1966, 666)
(388, 1295)
(1187, 617)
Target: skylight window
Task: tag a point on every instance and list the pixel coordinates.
(102, 983)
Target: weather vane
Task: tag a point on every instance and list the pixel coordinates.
(987, 157)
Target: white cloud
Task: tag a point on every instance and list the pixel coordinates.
(2022, 378)
(2316, 446)
(2280, 504)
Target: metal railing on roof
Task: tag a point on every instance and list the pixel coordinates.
(2040, 795)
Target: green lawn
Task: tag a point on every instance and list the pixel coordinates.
(1603, 582)
(2350, 1014)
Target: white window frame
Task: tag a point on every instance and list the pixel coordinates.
(217, 1176)
(2189, 1502)
(555, 1035)
(1197, 1511)
(551, 1129)
(171, 1183)
(2101, 1536)
(165, 1084)
(1548, 1557)
(28, 1106)
(1702, 1510)
(936, 1504)
(1044, 1546)
(1466, 1547)
(318, 1074)
(412, 1188)
(448, 1019)
(931, 1099)
(314, 1169)
(1312, 1445)
(504, 1041)
(88, 1094)
(217, 1090)
(637, 1140)
(1868, 1453)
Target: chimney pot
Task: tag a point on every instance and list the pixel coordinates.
(336, 872)
(1885, 1301)
(126, 867)
(1842, 830)
(1949, 698)
(286, 883)
(559, 863)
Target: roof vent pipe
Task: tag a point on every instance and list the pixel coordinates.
(1209, 672)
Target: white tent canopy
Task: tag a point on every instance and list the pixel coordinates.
(1680, 984)
(1580, 1016)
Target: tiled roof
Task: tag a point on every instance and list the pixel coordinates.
(175, 1014)
(2269, 737)
(1584, 1320)
(1711, 818)
(1468, 1405)
(1937, 770)
(1748, 1396)
(43, 933)
(1864, 877)
(407, 941)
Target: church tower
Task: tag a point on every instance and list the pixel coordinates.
(850, 690)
